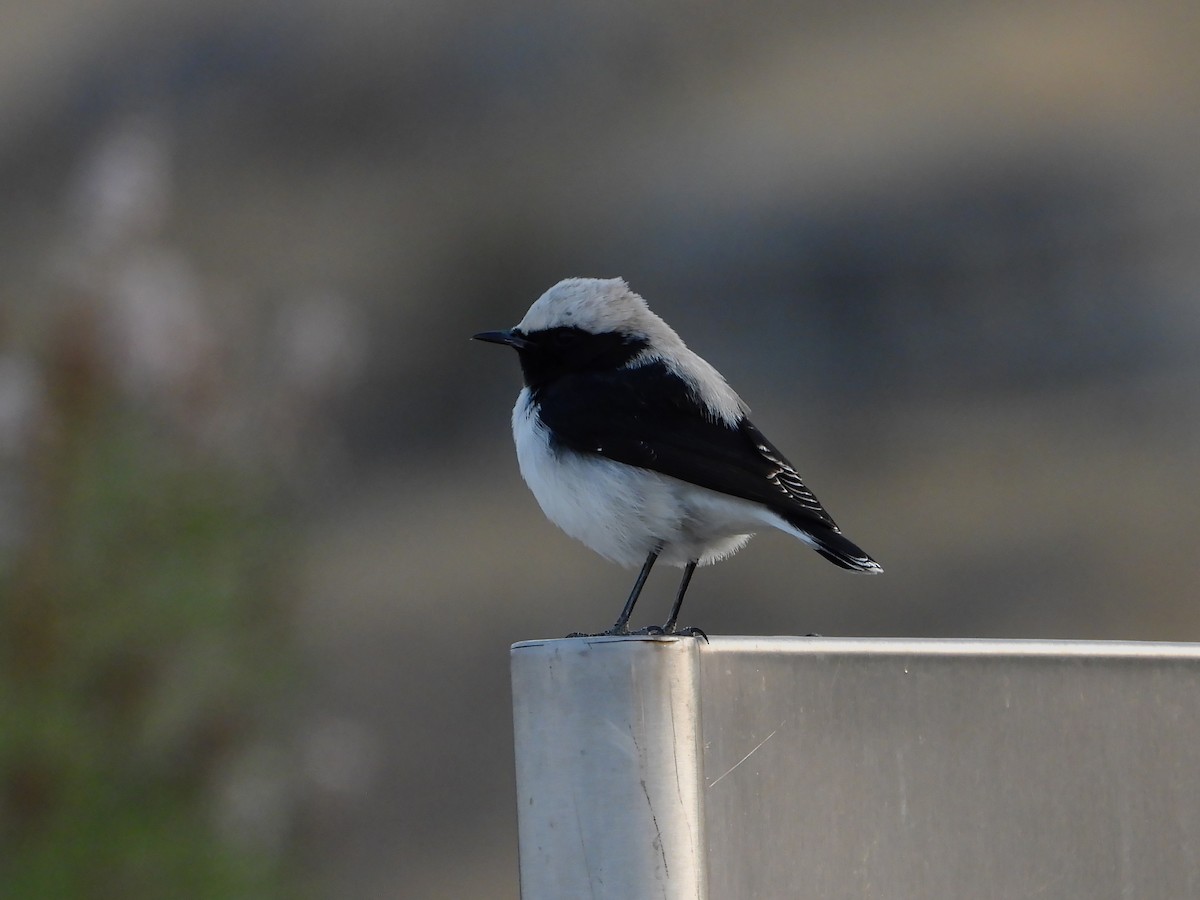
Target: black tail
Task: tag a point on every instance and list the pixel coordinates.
(840, 550)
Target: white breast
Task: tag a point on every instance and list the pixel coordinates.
(623, 512)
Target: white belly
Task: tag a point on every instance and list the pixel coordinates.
(623, 512)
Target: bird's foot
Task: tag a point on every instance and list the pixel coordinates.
(579, 634)
(648, 631)
(664, 631)
(615, 631)
(651, 631)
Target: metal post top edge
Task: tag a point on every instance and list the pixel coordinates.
(850, 646)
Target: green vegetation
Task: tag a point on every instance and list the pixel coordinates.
(142, 655)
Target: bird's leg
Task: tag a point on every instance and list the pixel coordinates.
(669, 626)
(623, 619)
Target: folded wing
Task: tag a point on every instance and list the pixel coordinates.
(650, 417)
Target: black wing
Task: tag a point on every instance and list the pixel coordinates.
(649, 417)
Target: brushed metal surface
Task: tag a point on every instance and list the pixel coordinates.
(836, 768)
(608, 769)
(951, 769)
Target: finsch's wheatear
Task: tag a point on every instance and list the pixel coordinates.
(637, 447)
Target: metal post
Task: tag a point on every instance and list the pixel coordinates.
(608, 769)
(866, 769)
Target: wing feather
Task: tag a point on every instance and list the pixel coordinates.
(651, 418)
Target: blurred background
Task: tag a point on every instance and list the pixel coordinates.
(263, 542)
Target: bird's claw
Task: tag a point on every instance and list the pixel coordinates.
(651, 631)
(663, 631)
(612, 632)
(615, 631)
(648, 631)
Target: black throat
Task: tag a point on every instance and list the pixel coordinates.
(558, 352)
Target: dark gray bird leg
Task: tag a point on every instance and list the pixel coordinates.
(669, 627)
(623, 619)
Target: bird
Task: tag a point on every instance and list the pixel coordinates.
(634, 445)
